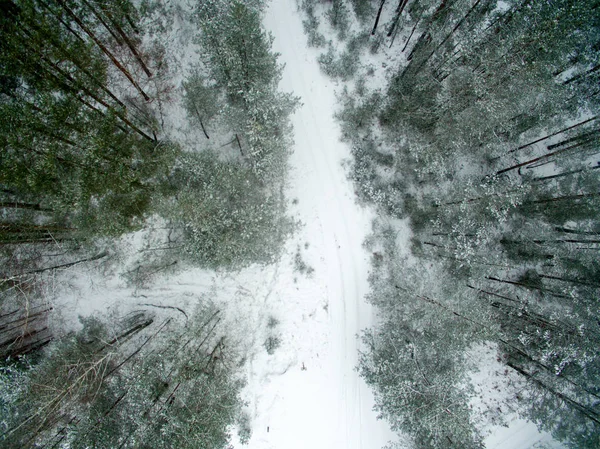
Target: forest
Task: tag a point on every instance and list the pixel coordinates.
(90, 151)
(484, 136)
(473, 122)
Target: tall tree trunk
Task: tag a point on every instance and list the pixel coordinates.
(59, 18)
(527, 286)
(377, 18)
(202, 124)
(399, 9)
(127, 41)
(17, 205)
(64, 265)
(571, 281)
(585, 411)
(239, 144)
(561, 175)
(497, 295)
(104, 24)
(103, 48)
(137, 351)
(575, 231)
(583, 75)
(544, 157)
(69, 56)
(555, 133)
(460, 22)
(563, 198)
(411, 34)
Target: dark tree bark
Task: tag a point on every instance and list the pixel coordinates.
(583, 75)
(239, 144)
(63, 23)
(575, 231)
(202, 124)
(460, 22)
(377, 18)
(544, 157)
(127, 41)
(104, 49)
(104, 24)
(561, 175)
(17, 205)
(527, 286)
(67, 265)
(399, 9)
(554, 134)
(411, 35)
(563, 198)
(585, 411)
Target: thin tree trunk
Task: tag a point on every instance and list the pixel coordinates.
(399, 9)
(585, 411)
(574, 139)
(130, 44)
(104, 24)
(411, 34)
(17, 205)
(460, 22)
(132, 24)
(126, 335)
(527, 286)
(547, 368)
(555, 133)
(64, 265)
(571, 281)
(486, 327)
(563, 198)
(494, 294)
(239, 144)
(75, 92)
(137, 351)
(377, 18)
(561, 175)
(583, 75)
(77, 64)
(202, 124)
(65, 24)
(575, 231)
(25, 318)
(540, 158)
(103, 48)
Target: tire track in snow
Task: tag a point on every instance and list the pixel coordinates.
(327, 207)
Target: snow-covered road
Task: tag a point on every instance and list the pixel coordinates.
(320, 402)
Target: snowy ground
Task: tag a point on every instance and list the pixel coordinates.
(325, 405)
(306, 394)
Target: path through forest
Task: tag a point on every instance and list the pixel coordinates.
(320, 402)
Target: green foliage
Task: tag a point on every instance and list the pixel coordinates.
(343, 66)
(91, 390)
(271, 344)
(311, 28)
(311, 25)
(238, 48)
(242, 63)
(300, 265)
(228, 217)
(201, 100)
(416, 367)
(364, 9)
(66, 140)
(338, 17)
(486, 137)
(244, 428)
